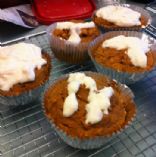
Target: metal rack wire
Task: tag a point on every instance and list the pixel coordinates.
(25, 132)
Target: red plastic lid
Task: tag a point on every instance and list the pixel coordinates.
(48, 11)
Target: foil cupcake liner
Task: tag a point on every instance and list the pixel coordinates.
(95, 142)
(123, 77)
(21, 99)
(65, 50)
(144, 13)
(25, 97)
(99, 4)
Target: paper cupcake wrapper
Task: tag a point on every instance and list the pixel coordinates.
(99, 4)
(65, 50)
(25, 97)
(22, 99)
(95, 142)
(123, 77)
(144, 13)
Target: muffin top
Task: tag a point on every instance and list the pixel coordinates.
(129, 54)
(19, 64)
(88, 105)
(136, 48)
(119, 15)
(95, 107)
(76, 32)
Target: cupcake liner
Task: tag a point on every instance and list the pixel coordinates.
(65, 50)
(144, 13)
(123, 77)
(22, 99)
(95, 142)
(25, 97)
(99, 4)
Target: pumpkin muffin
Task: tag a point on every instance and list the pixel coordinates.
(125, 56)
(69, 40)
(121, 17)
(24, 71)
(100, 108)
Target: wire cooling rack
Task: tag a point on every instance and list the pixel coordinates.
(25, 132)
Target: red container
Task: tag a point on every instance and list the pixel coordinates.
(48, 11)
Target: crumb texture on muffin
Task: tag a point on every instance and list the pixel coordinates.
(119, 16)
(95, 107)
(76, 32)
(121, 111)
(127, 54)
(25, 68)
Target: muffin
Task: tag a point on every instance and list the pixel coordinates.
(69, 40)
(121, 17)
(24, 71)
(126, 56)
(88, 109)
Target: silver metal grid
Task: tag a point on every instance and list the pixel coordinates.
(25, 132)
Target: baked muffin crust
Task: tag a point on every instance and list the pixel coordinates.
(118, 59)
(41, 76)
(86, 34)
(121, 112)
